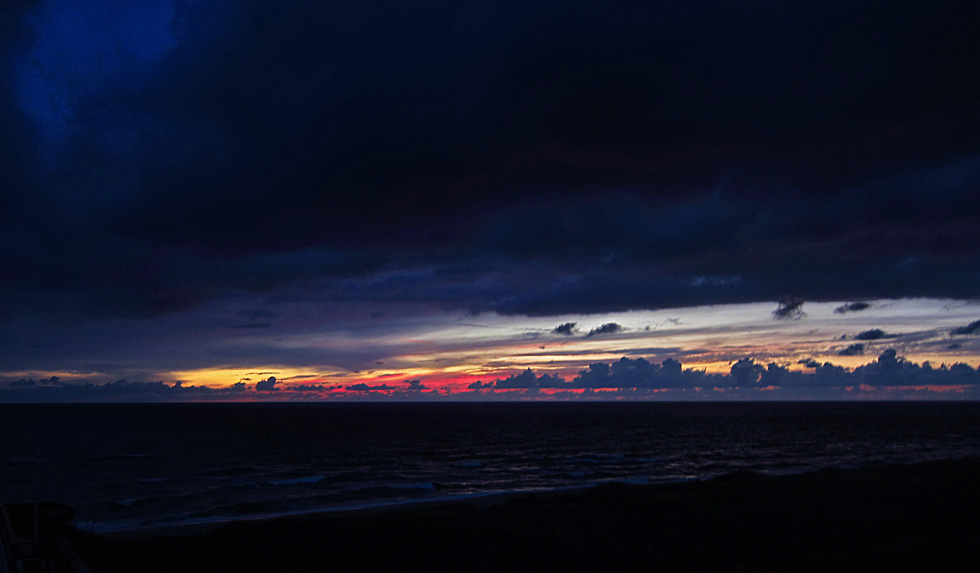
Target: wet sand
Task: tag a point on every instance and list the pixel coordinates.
(922, 515)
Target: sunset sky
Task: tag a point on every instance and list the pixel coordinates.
(422, 200)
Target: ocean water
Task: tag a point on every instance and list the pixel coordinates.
(143, 465)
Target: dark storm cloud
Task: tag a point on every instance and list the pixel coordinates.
(635, 155)
(852, 350)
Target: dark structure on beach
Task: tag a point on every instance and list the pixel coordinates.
(32, 540)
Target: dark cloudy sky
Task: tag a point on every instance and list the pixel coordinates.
(412, 189)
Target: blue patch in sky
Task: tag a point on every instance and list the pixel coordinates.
(83, 49)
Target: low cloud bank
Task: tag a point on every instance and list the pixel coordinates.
(627, 374)
(29, 390)
(888, 370)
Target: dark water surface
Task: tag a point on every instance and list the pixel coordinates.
(129, 465)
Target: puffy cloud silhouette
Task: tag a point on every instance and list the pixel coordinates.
(873, 334)
(640, 374)
(528, 380)
(828, 374)
(565, 329)
(971, 328)
(362, 387)
(852, 307)
(747, 372)
(852, 350)
(267, 385)
(893, 370)
(636, 373)
(774, 375)
(789, 307)
(629, 373)
(607, 328)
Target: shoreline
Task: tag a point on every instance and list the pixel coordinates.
(894, 514)
(204, 524)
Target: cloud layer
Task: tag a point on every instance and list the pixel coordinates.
(627, 374)
(636, 156)
(529, 159)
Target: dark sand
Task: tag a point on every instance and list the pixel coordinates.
(904, 517)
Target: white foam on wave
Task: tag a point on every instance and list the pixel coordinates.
(109, 527)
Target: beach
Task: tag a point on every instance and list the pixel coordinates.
(922, 514)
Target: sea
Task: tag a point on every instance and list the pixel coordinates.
(132, 466)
